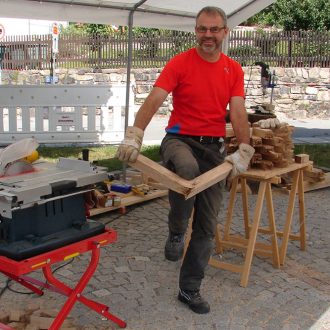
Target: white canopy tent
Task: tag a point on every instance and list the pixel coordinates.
(166, 14)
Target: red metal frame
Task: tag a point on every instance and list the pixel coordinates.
(16, 270)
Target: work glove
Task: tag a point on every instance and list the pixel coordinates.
(240, 160)
(269, 123)
(129, 148)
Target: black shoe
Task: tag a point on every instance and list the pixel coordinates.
(174, 247)
(194, 300)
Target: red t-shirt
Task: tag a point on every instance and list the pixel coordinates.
(201, 92)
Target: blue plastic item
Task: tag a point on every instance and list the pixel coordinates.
(122, 188)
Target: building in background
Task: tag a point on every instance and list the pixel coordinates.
(17, 26)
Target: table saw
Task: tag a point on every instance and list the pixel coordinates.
(43, 221)
(43, 208)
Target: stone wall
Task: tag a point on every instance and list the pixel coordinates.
(299, 92)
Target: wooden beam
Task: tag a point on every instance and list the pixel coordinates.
(163, 175)
(172, 181)
(209, 178)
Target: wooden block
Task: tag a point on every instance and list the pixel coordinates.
(264, 148)
(263, 164)
(280, 149)
(262, 132)
(309, 186)
(281, 163)
(255, 140)
(15, 325)
(231, 148)
(4, 316)
(271, 155)
(314, 174)
(288, 154)
(284, 131)
(301, 158)
(234, 141)
(45, 322)
(256, 157)
(16, 315)
(274, 141)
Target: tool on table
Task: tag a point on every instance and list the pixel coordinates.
(141, 189)
(43, 208)
(16, 157)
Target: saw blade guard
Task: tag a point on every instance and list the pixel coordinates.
(16, 151)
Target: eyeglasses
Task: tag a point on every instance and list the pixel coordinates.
(212, 29)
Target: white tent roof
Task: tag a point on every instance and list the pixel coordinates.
(167, 14)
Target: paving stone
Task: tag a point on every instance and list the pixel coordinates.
(101, 293)
(140, 286)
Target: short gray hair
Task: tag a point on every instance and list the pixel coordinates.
(210, 10)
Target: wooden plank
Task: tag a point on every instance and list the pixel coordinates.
(188, 188)
(209, 178)
(257, 174)
(162, 175)
(309, 186)
(262, 132)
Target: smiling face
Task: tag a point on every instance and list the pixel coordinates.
(210, 31)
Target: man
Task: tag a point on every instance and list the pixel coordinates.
(203, 81)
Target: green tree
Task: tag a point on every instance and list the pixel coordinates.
(95, 29)
(295, 15)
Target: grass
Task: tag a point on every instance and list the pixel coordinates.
(318, 153)
(105, 155)
(102, 156)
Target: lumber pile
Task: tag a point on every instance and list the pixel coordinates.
(274, 147)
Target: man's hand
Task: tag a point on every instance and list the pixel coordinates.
(269, 123)
(240, 160)
(129, 148)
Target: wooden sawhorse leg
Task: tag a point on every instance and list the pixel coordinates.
(297, 186)
(253, 234)
(251, 231)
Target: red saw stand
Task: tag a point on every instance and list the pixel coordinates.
(16, 271)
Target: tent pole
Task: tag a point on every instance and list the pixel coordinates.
(129, 66)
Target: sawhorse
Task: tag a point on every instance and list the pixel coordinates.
(16, 271)
(249, 243)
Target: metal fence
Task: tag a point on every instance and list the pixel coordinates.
(154, 49)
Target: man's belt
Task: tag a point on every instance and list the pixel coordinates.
(203, 139)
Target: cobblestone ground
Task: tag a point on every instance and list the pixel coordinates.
(140, 286)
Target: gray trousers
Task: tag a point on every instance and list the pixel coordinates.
(189, 158)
